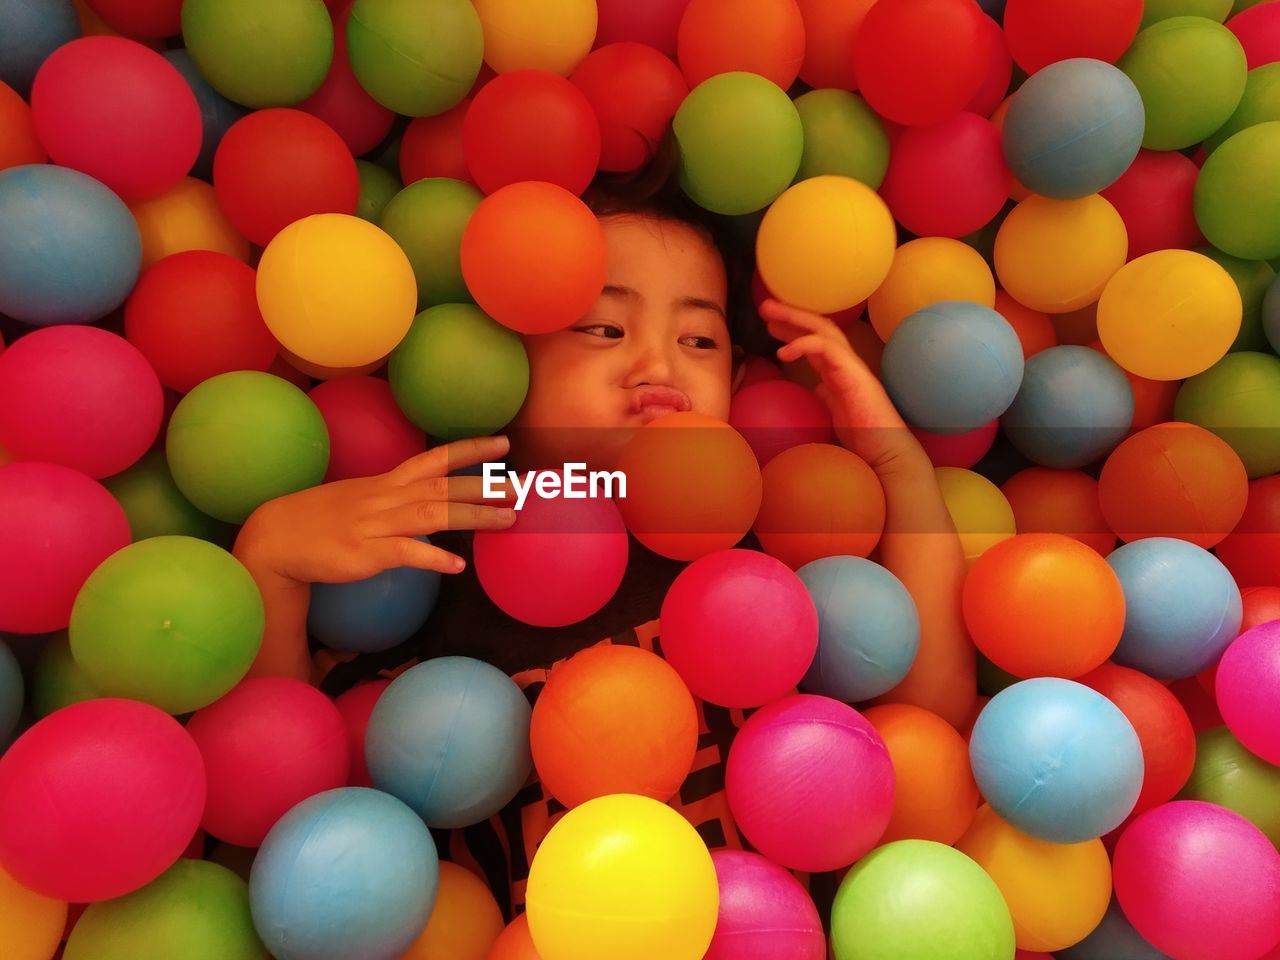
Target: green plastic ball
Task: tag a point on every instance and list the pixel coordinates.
(740, 140)
(195, 910)
(1260, 103)
(261, 53)
(843, 136)
(415, 58)
(172, 621)
(240, 439)
(1238, 398)
(1237, 194)
(1230, 776)
(156, 507)
(57, 680)
(1154, 10)
(1252, 278)
(377, 186)
(427, 218)
(913, 899)
(458, 373)
(1190, 72)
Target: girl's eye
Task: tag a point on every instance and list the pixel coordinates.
(703, 343)
(608, 331)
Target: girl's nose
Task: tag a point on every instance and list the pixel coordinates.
(650, 362)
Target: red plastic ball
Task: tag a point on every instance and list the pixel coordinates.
(118, 111)
(1041, 32)
(98, 799)
(957, 449)
(765, 37)
(194, 315)
(757, 369)
(531, 125)
(1153, 198)
(776, 415)
(432, 147)
(634, 91)
(1252, 550)
(995, 83)
(1045, 500)
(368, 432)
(279, 165)
(343, 104)
(140, 18)
(356, 705)
(1258, 30)
(1260, 605)
(19, 145)
(79, 396)
(830, 27)
(654, 23)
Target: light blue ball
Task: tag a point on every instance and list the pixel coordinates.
(346, 873)
(1073, 128)
(69, 248)
(217, 113)
(1057, 760)
(1181, 607)
(1074, 406)
(11, 695)
(1271, 314)
(450, 737)
(30, 30)
(868, 628)
(953, 366)
(1112, 939)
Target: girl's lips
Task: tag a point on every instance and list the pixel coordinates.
(658, 400)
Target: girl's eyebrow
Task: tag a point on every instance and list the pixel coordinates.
(683, 303)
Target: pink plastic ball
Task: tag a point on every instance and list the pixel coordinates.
(757, 369)
(654, 22)
(98, 799)
(361, 121)
(810, 783)
(958, 449)
(777, 415)
(118, 111)
(1248, 689)
(764, 912)
(1258, 30)
(267, 745)
(1199, 882)
(56, 525)
(740, 627)
(560, 562)
(1154, 199)
(356, 705)
(79, 396)
(368, 433)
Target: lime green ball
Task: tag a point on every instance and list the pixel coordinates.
(240, 439)
(740, 140)
(458, 373)
(1237, 194)
(1230, 776)
(195, 910)
(57, 680)
(843, 136)
(913, 899)
(1260, 103)
(427, 218)
(261, 53)
(1190, 72)
(1238, 398)
(1154, 10)
(377, 186)
(156, 507)
(171, 621)
(1252, 278)
(415, 58)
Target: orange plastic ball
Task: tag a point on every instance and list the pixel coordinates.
(820, 500)
(465, 921)
(936, 795)
(1152, 399)
(830, 26)
(766, 37)
(1034, 329)
(534, 257)
(1043, 605)
(515, 942)
(18, 143)
(693, 485)
(613, 719)
(1059, 501)
(185, 217)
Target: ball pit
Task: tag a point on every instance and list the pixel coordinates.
(762, 908)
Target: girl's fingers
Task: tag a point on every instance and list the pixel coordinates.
(455, 490)
(393, 552)
(431, 516)
(811, 345)
(442, 460)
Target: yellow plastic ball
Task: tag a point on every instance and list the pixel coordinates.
(1056, 256)
(31, 925)
(825, 244)
(623, 877)
(186, 217)
(336, 291)
(465, 921)
(925, 271)
(1056, 892)
(979, 510)
(550, 35)
(1169, 315)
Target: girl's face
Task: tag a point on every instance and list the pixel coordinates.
(656, 341)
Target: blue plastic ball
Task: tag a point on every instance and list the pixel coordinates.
(346, 873)
(953, 366)
(1182, 607)
(30, 30)
(1271, 314)
(69, 248)
(1112, 938)
(1073, 128)
(450, 737)
(1073, 407)
(217, 113)
(868, 628)
(1057, 760)
(11, 695)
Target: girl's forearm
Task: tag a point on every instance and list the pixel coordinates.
(285, 601)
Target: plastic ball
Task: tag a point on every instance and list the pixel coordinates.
(186, 217)
(1154, 10)
(1199, 882)
(20, 145)
(31, 924)
(98, 800)
(763, 911)
(981, 514)
(450, 737)
(708, 624)
(1259, 103)
(1256, 31)
(1236, 205)
(356, 705)
(465, 919)
(830, 29)
(70, 251)
(344, 105)
(1228, 775)
(1247, 680)
(140, 18)
(1059, 501)
(764, 37)
(810, 783)
(957, 449)
(368, 433)
(1154, 199)
(33, 29)
(427, 219)
(1252, 278)
(1040, 33)
(553, 37)
(156, 507)
(217, 113)
(776, 415)
(1114, 936)
(624, 877)
(1252, 550)
(1238, 398)
(514, 943)
(375, 906)
(740, 140)
(378, 186)
(432, 146)
(655, 24)
(925, 271)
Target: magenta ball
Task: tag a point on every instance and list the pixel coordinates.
(810, 783)
(79, 396)
(756, 369)
(356, 706)
(1199, 882)
(1258, 30)
(764, 912)
(118, 111)
(98, 799)
(560, 562)
(776, 415)
(56, 525)
(368, 432)
(1248, 688)
(958, 449)
(267, 745)
(739, 627)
